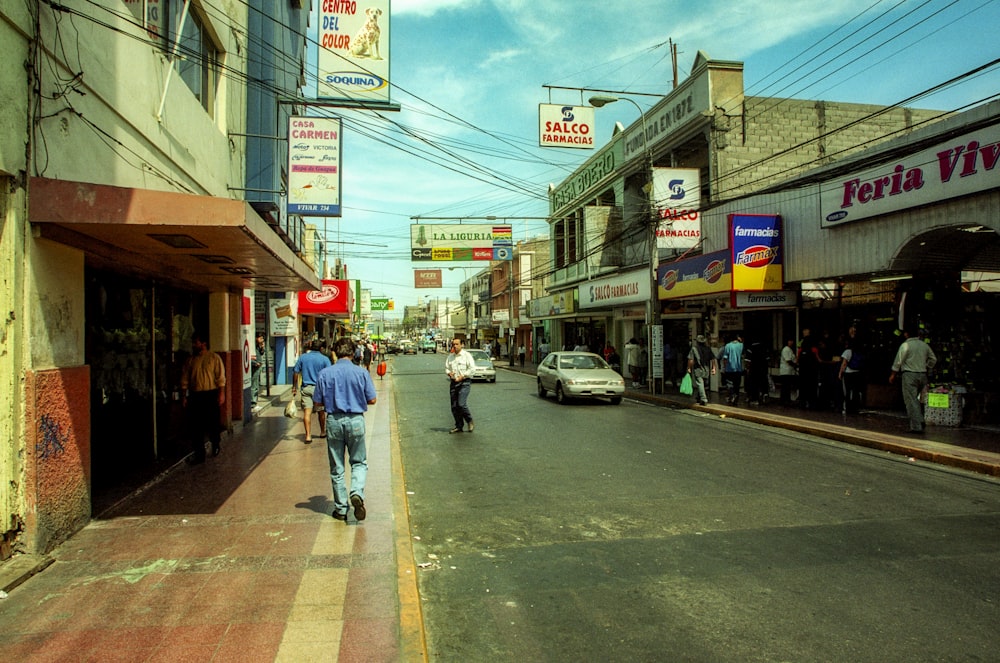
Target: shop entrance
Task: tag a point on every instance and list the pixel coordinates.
(138, 335)
(588, 332)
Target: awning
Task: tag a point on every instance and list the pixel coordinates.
(334, 299)
(196, 242)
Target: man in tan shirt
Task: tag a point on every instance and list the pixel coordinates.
(203, 383)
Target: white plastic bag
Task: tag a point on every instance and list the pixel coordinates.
(291, 410)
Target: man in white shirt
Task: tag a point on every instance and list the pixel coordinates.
(459, 366)
(913, 360)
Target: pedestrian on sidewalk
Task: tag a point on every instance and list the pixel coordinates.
(543, 350)
(460, 366)
(852, 375)
(807, 359)
(631, 352)
(643, 362)
(701, 365)
(203, 383)
(345, 390)
(521, 352)
(305, 372)
(788, 371)
(732, 367)
(913, 361)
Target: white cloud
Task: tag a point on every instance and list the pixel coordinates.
(429, 7)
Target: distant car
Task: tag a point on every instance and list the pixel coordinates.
(428, 345)
(484, 366)
(579, 375)
(408, 347)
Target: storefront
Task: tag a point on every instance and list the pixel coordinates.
(617, 310)
(903, 236)
(139, 271)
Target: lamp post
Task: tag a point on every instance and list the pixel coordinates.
(597, 101)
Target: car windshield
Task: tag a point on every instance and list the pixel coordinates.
(479, 355)
(581, 362)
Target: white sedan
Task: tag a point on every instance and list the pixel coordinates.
(484, 366)
(579, 375)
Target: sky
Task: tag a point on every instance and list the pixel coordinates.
(469, 75)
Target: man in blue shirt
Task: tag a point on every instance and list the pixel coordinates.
(346, 390)
(305, 371)
(732, 367)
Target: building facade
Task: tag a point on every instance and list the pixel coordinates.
(623, 213)
(905, 235)
(125, 230)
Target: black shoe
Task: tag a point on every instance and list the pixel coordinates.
(472, 426)
(359, 507)
(339, 516)
(455, 430)
(216, 451)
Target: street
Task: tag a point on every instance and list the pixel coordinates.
(594, 532)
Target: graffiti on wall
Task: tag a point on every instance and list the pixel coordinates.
(53, 439)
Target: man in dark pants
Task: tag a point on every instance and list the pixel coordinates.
(203, 383)
(460, 366)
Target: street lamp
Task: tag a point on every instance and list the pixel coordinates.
(597, 101)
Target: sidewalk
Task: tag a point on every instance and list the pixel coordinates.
(976, 449)
(237, 559)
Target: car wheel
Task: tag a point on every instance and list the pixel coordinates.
(560, 395)
(616, 400)
(541, 390)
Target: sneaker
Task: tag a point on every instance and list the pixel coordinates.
(339, 516)
(359, 507)
(472, 426)
(455, 430)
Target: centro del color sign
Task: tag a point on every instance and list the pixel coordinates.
(353, 53)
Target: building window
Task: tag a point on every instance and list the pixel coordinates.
(197, 58)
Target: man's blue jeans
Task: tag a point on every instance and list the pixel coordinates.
(346, 431)
(460, 402)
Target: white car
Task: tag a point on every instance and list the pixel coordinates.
(484, 366)
(579, 375)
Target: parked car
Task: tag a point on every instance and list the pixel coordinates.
(579, 375)
(484, 366)
(428, 345)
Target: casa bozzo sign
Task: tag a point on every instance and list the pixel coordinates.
(957, 167)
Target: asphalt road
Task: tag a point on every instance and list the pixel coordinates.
(593, 532)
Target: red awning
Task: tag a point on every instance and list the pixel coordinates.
(335, 299)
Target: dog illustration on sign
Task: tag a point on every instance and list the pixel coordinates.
(366, 42)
